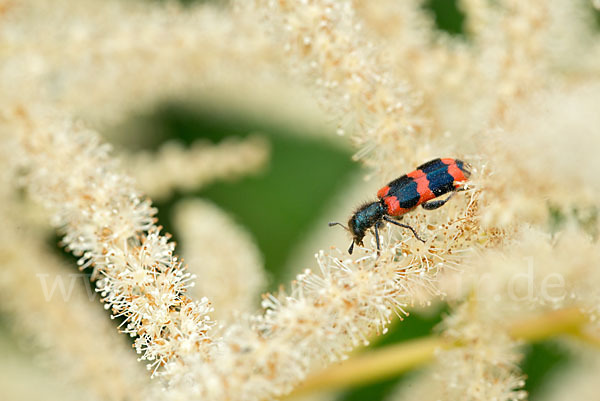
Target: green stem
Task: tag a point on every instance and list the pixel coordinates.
(375, 365)
(562, 321)
(392, 360)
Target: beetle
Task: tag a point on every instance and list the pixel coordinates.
(433, 179)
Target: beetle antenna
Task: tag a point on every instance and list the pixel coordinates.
(336, 223)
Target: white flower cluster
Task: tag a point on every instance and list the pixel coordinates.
(484, 365)
(109, 226)
(325, 315)
(518, 100)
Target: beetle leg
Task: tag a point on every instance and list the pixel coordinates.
(377, 235)
(434, 204)
(389, 220)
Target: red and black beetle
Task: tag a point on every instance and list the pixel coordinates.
(429, 181)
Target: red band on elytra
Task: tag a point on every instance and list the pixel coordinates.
(394, 208)
(423, 189)
(383, 191)
(456, 173)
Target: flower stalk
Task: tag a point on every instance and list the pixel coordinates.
(390, 361)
